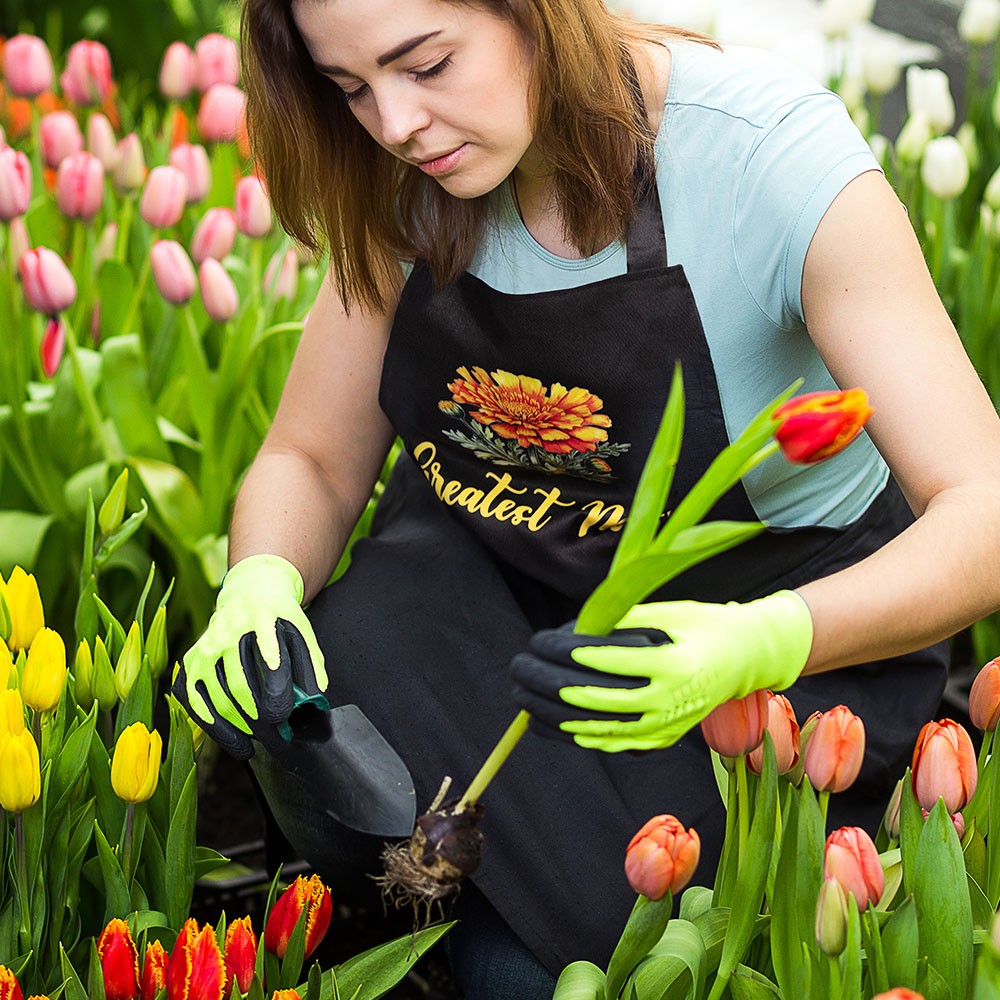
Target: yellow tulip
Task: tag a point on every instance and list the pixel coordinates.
(11, 712)
(135, 766)
(6, 665)
(25, 605)
(20, 777)
(83, 676)
(45, 671)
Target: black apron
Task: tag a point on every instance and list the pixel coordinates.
(526, 421)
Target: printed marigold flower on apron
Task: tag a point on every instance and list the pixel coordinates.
(518, 420)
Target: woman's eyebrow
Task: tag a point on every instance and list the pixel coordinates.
(386, 57)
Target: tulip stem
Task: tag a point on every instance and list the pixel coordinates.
(88, 402)
(493, 763)
(984, 750)
(743, 805)
(127, 845)
(22, 880)
(140, 288)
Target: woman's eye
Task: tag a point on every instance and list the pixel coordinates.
(353, 95)
(434, 70)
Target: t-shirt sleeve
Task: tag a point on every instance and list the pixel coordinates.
(800, 161)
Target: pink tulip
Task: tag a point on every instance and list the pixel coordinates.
(253, 207)
(957, 821)
(15, 183)
(851, 859)
(27, 66)
(217, 291)
(984, 697)
(80, 186)
(164, 197)
(131, 169)
(836, 748)
(173, 271)
(60, 136)
(53, 345)
(177, 72)
(101, 141)
(220, 113)
(899, 993)
(48, 285)
(281, 279)
(944, 766)
(661, 857)
(217, 61)
(192, 162)
(784, 730)
(737, 726)
(214, 235)
(19, 242)
(87, 77)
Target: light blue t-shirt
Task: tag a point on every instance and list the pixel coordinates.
(750, 154)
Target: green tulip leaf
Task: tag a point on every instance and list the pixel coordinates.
(121, 535)
(110, 809)
(695, 900)
(207, 860)
(644, 927)
(174, 498)
(983, 914)
(73, 988)
(911, 825)
(138, 704)
(678, 957)
(95, 975)
(713, 925)
(180, 852)
(291, 964)
(155, 870)
(22, 534)
(974, 849)
(748, 984)
(70, 763)
(116, 891)
(580, 981)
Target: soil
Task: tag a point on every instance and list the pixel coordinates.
(233, 820)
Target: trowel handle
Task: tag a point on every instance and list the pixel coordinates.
(301, 698)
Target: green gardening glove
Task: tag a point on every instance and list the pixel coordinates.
(238, 680)
(642, 690)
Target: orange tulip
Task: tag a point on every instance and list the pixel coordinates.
(10, 988)
(195, 970)
(240, 954)
(818, 425)
(119, 961)
(154, 971)
(307, 894)
(836, 748)
(661, 857)
(957, 821)
(851, 859)
(984, 697)
(784, 730)
(899, 993)
(737, 726)
(944, 766)
(286, 995)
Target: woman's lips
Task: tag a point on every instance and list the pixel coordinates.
(443, 164)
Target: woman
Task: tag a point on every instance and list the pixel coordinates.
(587, 201)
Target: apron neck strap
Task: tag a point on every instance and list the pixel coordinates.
(646, 244)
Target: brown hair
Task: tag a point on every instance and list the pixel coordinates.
(333, 186)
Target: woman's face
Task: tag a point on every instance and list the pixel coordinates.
(439, 85)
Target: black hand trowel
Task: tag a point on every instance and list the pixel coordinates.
(337, 769)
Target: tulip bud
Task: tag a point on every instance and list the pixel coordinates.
(214, 235)
(83, 676)
(45, 671)
(899, 993)
(173, 271)
(661, 857)
(879, 145)
(784, 730)
(11, 712)
(177, 72)
(957, 821)
(851, 859)
(156, 642)
(154, 971)
(253, 207)
(286, 995)
(101, 141)
(48, 285)
(281, 278)
(968, 140)
(984, 697)
(80, 186)
(164, 197)
(880, 65)
(192, 162)
(104, 677)
(736, 726)
(945, 168)
(944, 766)
(979, 22)
(20, 777)
(913, 138)
(838, 17)
(818, 425)
(18, 243)
(52, 346)
(836, 748)
(196, 970)
(131, 169)
(119, 961)
(27, 66)
(15, 183)
(216, 61)
(832, 917)
(218, 292)
(112, 512)
(129, 662)
(135, 764)
(25, 606)
(221, 112)
(87, 77)
(10, 989)
(240, 954)
(60, 136)
(890, 821)
(929, 91)
(308, 894)
(106, 245)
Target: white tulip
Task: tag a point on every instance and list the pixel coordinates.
(879, 146)
(929, 91)
(837, 17)
(913, 138)
(966, 136)
(692, 16)
(945, 167)
(880, 65)
(992, 193)
(979, 22)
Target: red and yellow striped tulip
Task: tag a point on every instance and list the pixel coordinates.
(119, 961)
(10, 988)
(309, 894)
(240, 954)
(195, 970)
(818, 425)
(154, 971)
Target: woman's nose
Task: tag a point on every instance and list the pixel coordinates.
(401, 115)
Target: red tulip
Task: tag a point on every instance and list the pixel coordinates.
(164, 197)
(217, 60)
(281, 278)
(101, 141)
(177, 72)
(221, 112)
(214, 235)
(308, 894)
(196, 970)
(818, 425)
(218, 293)
(240, 954)
(87, 77)
(10, 988)
(286, 995)
(661, 857)
(899, 993)
(48, 285)
(832, 757)
(737, 726)
(27, 65)
(192, 162)
(851, 859)
(15, 183)
(173, 271)
(119, 961)
(253, 207)
(53, 345)
(80, 186)
(60, 136)
(984, 697)
(944, 766)
(784, 730)
(131, 169)
(154, 971)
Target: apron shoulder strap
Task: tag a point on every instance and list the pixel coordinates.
(646, 244)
